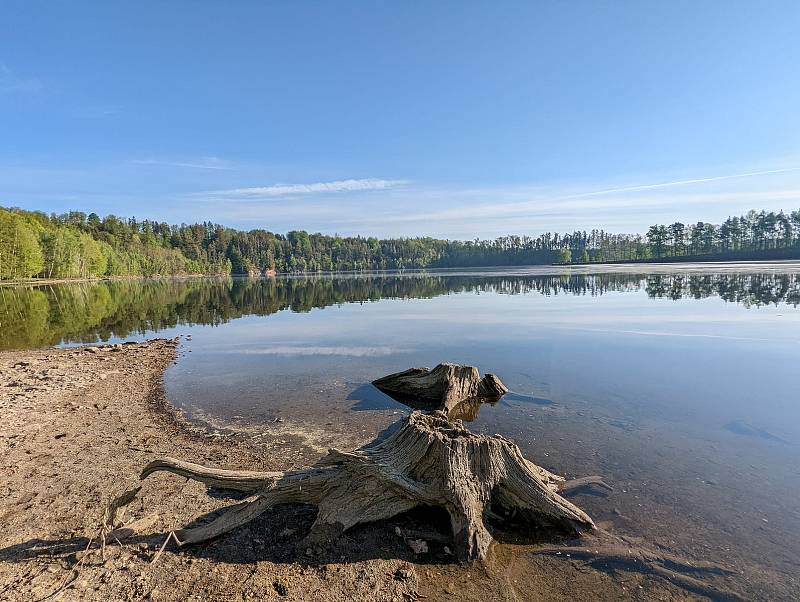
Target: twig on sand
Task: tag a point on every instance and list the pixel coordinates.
(164, 545)
(71, 576)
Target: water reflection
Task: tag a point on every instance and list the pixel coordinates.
(78, 313)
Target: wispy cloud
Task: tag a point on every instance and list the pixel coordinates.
(395, 207)
(11, 82)
(747, 174)
(499, 203)
(201, 163)
(280, 190)
(385, 207)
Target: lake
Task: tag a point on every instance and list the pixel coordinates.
(678, 384)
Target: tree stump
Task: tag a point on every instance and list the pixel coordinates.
(428, 461)
(443, 388)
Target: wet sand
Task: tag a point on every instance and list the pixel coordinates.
(77, 425)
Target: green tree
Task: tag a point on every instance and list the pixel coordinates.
(657, 238)
(20, 253)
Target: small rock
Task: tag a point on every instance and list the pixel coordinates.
(419, 546)
(404, 573)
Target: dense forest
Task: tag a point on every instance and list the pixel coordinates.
(40, 315)
(76, 245)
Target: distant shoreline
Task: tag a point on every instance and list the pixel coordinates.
(47, 281)
(660, 261)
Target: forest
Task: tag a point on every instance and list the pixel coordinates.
(75, 245)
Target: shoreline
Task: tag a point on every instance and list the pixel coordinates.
(76, 427)
(658, 263)
(50, 281)
(78, 424)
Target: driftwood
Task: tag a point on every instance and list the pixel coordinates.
(443, 388)
(428, 461)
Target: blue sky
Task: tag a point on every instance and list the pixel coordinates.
(452, 119)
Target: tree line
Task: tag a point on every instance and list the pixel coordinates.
(77, 245)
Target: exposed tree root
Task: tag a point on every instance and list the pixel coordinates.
(428, 461)
(432, 460)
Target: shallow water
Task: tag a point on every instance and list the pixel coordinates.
(678, 384)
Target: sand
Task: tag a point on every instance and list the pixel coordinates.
(76, 427)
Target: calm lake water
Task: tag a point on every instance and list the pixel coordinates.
(678, 384)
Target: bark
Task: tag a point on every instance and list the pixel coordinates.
(443, 388)
(428, 461)
(433, 460)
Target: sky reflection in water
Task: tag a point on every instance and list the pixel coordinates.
(678, 385)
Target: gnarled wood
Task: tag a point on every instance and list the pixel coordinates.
(442, 388)
(428, 461)
(432, 460)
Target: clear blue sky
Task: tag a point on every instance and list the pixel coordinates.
(449, 119)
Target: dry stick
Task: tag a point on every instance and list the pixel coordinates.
(74, 572)
(164, 545)
(110, 515)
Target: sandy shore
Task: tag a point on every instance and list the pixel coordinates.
(76, 427)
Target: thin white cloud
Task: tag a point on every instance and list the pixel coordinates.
(11, 82)
(572, 206)
(747, 174)
(616, 198)
(279, 190)
(202, 163)
(400, 208)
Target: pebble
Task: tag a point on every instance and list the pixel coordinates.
(403, 573)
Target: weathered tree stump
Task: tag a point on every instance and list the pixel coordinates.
(442, 388)
(428, 461)
(433, 460)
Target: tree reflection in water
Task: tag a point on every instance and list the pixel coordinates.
(36, 316)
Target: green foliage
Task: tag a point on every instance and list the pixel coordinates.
(74, 245)
(20, 253)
